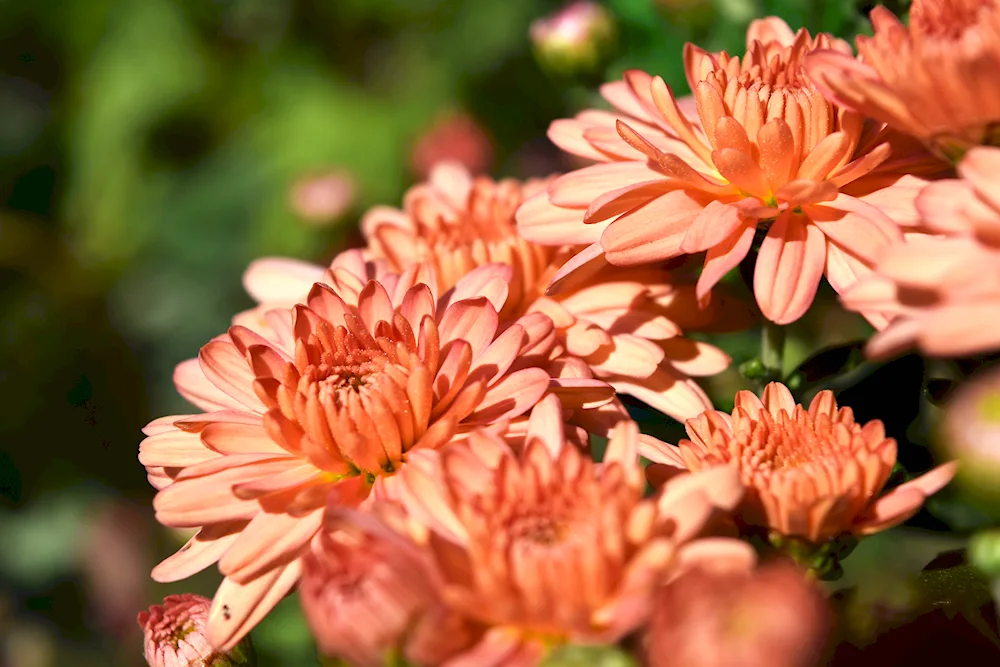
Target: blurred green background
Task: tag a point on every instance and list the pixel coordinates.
(147, 152)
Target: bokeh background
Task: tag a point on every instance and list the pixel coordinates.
(149, 149)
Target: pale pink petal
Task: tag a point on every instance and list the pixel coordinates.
(652, 232)
(584, 265)
(723, 258)
(961, 329)
(568, 135)
(716, 223)
(579, 188)
(718, 555)
(472, 320)
(679, 397)
(490, 281)
(513, 395)
(202, 550)
(226, 368)
(269, 541)
(173, 449)
(770, 29)
(541, 221)
(192, 384)
(280, 280)
(861, 229)
(237, 608)
(239, 438)
(980, 167)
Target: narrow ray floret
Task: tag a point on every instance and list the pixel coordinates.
(325, 410)
(813, 474)
(547, 547)
(758, 153)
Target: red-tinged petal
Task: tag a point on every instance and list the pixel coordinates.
(541, 221)
(240, 438)
(714, 225)
(280, 280)
(325, 303)
(237, 608)
(193, 385)
(269, 541)
(724, 257)
(226, 368)
(579, 188)
(202, 550)
(511, 396)
(173, 449)
(652, 232)
(789, 267)
(374, 305)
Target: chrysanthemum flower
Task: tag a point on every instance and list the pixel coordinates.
(624, 324)
(323, 412)
(771, 617)
(549, 547)
(369, 593)
(943, 291)
(175, 635)
(935, 79)
(814, 474)
(759, 150)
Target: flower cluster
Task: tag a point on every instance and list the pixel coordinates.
(408, 434)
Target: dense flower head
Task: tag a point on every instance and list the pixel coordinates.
(368, 592)
(935, 79)
(770, 617)
(758, 151)
(548, 547)
(813, 474)
(943, 291)
(324, 410)
(175, 633)
(624, 325)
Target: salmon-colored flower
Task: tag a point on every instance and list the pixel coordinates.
(175, 634)
(324, 411)
(771, 617)
(369, 592)
(625, 324)
(943, 292)
(758, 152)
(935, 79)
(812, 474)
(549, 547)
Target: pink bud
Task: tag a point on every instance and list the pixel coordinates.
(577, 38)
(453, 137)
(175, 632)
(323, 199)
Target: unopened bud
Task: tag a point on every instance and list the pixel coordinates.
(577, 39)
(322, 199)
(176, 636)
(970, 433)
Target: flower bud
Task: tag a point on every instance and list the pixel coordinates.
(773, 617)
(175, 636)
(324, 198)
(970, 432)
(575, 40)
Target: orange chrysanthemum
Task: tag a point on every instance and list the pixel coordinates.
(812, 474)
(760, 150)
(624, 325)
(323, 411)
(943, 292)
(936, 80)
(772, 617)
(549, 547)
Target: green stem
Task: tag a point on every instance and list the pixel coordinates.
(772, 352)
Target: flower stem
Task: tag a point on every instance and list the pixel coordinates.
(772, 352)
